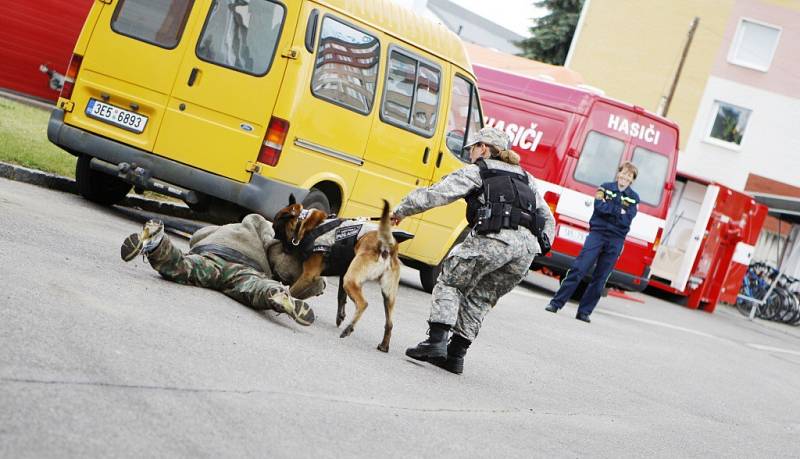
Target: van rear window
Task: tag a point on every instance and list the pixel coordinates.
(599, 159)
(241, 35)
(653, 169)
(346, 67)
(158, 22)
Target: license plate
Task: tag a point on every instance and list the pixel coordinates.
(117, 116)
(572, 234)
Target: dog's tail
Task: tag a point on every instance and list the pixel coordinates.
(385, 229)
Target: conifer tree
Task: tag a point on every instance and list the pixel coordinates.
(551, 34)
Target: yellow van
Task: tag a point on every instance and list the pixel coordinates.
(233, 105)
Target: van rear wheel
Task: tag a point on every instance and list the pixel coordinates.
(97, 186)
(316, 199)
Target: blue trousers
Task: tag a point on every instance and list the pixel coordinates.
(601, 248)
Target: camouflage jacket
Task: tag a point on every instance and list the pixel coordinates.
(466, 180)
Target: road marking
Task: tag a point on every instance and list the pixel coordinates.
(660, 324)
(529, 294)
(772, 349)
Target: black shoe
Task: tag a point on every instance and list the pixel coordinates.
(551, 308)
(583, 317)
(456, 350)
(433, 348)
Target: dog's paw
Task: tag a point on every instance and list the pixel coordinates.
(346, 332)
(383, 347)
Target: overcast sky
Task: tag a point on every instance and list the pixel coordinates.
(515, 15)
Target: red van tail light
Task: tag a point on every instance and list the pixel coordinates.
(71, 76)
(273, 141)
(551, 198)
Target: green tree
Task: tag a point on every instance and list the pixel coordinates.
(551, 34)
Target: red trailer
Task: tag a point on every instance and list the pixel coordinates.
(36, 34)
(708, 242)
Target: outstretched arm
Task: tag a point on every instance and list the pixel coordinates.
(452, 187)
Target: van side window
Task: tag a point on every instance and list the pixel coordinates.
(653, 169)
(599, 159)
(463, 116)
(411, 97)
(159, 23)
(346, 66)
(241, 35)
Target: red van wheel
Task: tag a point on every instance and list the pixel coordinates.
(97, 186)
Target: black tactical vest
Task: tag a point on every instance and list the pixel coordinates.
(508, 202)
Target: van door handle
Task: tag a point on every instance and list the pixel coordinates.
(425, 155)
(439, 159)
(193, 76)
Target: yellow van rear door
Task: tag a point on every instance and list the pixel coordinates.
(129, 64)
(227, 85)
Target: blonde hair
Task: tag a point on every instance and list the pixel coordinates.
(627, 165)
(507, 156)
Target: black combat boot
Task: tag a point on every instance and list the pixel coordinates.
(456, 351)
(433, 348)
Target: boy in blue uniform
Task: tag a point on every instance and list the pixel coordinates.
(614, 209)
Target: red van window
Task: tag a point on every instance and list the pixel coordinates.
(653, 169)
(159, 23)
(241, 35)
(599, 160)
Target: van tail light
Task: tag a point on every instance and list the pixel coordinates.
(551, 198)
(71, 76)
(657, 241)
(273, 141)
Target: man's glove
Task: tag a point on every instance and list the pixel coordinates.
(544, 244)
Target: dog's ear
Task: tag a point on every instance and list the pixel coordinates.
(292, 200)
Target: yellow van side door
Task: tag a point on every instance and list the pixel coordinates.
(227, 84)
(328, 98)
(439, 227)
(400, 150)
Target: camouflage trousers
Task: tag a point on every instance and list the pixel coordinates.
(474, 276)
(244, 284)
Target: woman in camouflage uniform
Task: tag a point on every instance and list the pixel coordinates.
(487, 265)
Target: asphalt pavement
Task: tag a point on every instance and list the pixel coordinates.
(100, 358)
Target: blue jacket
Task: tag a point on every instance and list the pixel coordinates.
(613, 210)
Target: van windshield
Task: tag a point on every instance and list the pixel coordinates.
(653, 169)
(599, 159)
(463, 117)
(241, 35)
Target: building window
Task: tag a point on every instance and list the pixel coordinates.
(728, 124)
(754, 45)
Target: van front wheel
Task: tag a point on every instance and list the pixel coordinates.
(97, 186)
(316, 199)
(428, 274)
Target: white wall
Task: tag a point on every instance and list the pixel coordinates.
(770, 146)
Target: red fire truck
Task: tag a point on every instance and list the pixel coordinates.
(572, 140)
(708, 242)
